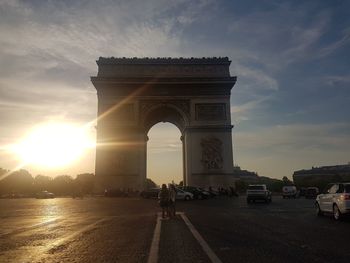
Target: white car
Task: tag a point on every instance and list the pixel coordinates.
(258, 192)
(335, 200)
(183, 195)
(289, 191)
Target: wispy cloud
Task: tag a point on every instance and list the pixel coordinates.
(336, 80)
(163, 138)
(335, 45)
(242, 112)
(254, 78)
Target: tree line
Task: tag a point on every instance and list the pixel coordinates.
(21, 182)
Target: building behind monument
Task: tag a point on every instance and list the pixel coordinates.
(321, 176)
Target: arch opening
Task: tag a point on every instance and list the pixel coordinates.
(164, 154)
(164, 113)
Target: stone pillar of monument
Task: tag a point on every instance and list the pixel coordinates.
(208, 143)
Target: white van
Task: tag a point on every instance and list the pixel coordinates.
(289, 191)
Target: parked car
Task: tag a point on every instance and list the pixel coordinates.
(335, 199)
(302, 191)
(183, 195)
(150, 193)
(289, 191)
(44, 195)
(311, 192)
(212, 192)
(258, 192)
(197, 192)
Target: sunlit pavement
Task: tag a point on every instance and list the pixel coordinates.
(124, 230)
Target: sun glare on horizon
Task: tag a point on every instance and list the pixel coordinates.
(53, 145)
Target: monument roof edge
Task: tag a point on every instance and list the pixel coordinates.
(163, 80)
(163, 60)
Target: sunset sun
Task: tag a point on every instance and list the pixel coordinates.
(53, 145)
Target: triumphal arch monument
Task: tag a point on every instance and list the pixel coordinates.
(136, 93)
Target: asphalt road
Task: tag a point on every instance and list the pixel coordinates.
(124, 230)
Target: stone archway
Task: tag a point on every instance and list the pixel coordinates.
(134, 94)
(167, 112)
(161, 111)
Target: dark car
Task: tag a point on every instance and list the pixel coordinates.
(311, 192)
(258, 192)
(150, 193)
(302, 191)
(212, 192)
(197, 192)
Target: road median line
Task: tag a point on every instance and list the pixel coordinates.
(210, 253)
(153, 253)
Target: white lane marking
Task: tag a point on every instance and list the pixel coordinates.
(153, 253)
(213, 257)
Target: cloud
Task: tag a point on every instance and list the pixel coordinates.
(48, 52)
(254, 79)
(283, 34)
(335, 45)
(165, 147)
(243, 111)
(337, 80)
(163, 138)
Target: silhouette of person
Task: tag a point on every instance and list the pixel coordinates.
(163, 197)
(172, 200)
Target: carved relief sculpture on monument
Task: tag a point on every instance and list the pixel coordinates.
(212, 153)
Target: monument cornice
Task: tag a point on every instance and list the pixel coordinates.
(163, 67)
(209, 127)
(163, 60)
(132, 83)
(164, 88)
(163, 80)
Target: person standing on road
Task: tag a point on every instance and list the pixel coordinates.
(163, 197)
(172, 200)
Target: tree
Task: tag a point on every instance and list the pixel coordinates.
(286, 181)
(42, 183)
(63, 185)
(20, 181)
(84, 183)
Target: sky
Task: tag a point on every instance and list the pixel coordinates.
(290, 105)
